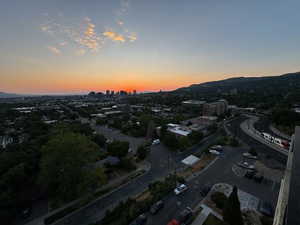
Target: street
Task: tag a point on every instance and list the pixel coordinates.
(164, 162)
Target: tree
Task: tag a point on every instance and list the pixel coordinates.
(64, 166)
(195, 136)
(163, 130)
(232, 211)
(184, 142)
(150, 129)
(99, 139)
(141, 152)
(118, 148)
(171, 141)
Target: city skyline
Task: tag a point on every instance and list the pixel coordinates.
(78, 46)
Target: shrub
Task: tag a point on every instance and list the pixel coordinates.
(219, 199)
(266, 220)
(127, 164)
(141, 152)
(181, 180)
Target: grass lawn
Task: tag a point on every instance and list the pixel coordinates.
(212, 220)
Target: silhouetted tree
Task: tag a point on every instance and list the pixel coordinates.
(232, 211)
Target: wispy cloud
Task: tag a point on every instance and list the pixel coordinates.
(114, 36)
(54, 50)
(132, 37)
(86, 35)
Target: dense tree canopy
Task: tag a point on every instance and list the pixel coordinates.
(64, 166)
(118, 148)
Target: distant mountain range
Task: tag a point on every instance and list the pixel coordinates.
(271, 84)
(9, 95)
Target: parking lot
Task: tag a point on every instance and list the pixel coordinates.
(220, 172)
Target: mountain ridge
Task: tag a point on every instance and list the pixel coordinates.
(242, 82)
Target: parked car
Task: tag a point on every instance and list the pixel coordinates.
(180, 189)
(214, 152)
(217, 147)
(249, 155)
(141, 220)
(173, 222)
(156, 207)
(246, 165)
(156, 141)
(250, 174)
(186, 216)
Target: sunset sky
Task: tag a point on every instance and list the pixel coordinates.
(76, 46)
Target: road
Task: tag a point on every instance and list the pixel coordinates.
(162, 162)
(265, 151)
(263, 125)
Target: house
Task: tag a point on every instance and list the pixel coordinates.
(178, 130)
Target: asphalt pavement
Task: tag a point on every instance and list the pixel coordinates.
(163, 162)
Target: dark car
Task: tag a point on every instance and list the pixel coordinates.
(186, 216)
(156, 207)
(250, 174)
(266, 208)
(141, 220)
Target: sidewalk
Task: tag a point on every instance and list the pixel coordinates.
(204, 214)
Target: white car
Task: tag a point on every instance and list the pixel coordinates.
(155, 142)
(214, 152)
(180, 189)
(246, 165)
(250, 156)
(217, 147)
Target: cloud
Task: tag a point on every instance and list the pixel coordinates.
(54, 50)
(88, 36)
(114, 36)
(132, 37)
(84, 35)
(80, 52)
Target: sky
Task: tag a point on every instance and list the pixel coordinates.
(77, 46)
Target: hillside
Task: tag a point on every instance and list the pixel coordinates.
(272, 83)
(250, 91)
